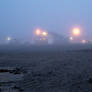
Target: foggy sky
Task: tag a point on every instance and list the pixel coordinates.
(18, 18)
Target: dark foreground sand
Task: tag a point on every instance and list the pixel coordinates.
(52, 71)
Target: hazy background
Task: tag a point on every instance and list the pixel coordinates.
(18, 18)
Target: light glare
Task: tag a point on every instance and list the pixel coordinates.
(71, 38)
(76, 31)
(44, 33)
(38, 32)
(9, 38)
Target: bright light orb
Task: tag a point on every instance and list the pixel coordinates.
(38, 32)
(76, 32)
(9, 38)
(71, 38)
(44, 33)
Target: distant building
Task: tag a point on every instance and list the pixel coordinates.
(45, 38)
(41, 37)
(41, 40)
(58, 39)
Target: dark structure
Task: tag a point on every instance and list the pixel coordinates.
(58, 39)
(41, 40)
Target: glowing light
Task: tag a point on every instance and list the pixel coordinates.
(44, 33)
(38, 32)
(84, 41)
(71, 38)
(9, 38)
(76, 31)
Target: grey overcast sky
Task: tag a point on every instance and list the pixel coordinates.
(18, 18)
